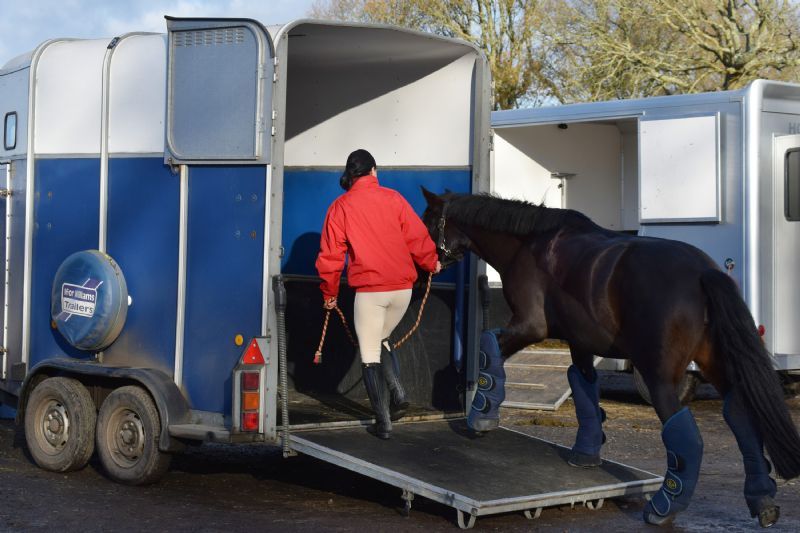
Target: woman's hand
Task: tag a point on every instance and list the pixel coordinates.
(329, 303)
(437, 268)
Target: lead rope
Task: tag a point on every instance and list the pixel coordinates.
(318, 353)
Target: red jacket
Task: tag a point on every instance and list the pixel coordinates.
(381, 234)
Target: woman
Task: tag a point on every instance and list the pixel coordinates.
(383, 237)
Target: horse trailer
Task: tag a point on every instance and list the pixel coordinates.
(719, 170)
(163, 198)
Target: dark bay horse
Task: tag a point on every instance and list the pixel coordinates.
(659, 303)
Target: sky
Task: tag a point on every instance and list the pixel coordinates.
(24, 24)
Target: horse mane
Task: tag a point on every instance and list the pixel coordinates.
(516, 217)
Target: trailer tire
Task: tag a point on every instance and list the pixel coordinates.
(686, 388)
(128, 431)
(60, 420)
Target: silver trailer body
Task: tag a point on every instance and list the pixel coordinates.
(717, 170)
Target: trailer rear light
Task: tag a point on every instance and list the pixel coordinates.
(250, 401)
(253, 355)
(250, 381)
(250, 388)
(249, 421)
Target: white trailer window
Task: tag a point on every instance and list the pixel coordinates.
(680, 169)
(10, 136)
(792, 185)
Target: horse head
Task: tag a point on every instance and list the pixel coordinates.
(451, 243)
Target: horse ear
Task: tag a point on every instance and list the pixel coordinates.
(431, 198)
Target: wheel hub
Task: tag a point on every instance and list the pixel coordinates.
(129, 437)
(55, 424)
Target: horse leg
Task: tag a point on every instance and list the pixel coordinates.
(759, 487)
(484, 414)
(519, 333)
(585, 386)
(684, 446)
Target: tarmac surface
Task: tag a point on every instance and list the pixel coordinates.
(217, 487)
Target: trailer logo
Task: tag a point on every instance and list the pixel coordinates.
(78, 300)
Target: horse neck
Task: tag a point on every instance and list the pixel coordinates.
(496, 248)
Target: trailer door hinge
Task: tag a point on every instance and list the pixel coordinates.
(5, 193)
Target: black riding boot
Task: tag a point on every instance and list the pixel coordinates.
(391, 371)
(376, 390)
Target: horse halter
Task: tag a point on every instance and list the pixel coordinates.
(448, 256)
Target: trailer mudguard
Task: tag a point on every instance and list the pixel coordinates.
(172, 406)
(89, 300)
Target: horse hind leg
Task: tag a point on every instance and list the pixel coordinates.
(684, 446)
(586, 396)
(759, 487)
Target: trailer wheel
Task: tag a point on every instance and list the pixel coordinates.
(686, 388)
(59, 424)
(128, 430)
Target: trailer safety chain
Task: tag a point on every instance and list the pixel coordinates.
(403, 339)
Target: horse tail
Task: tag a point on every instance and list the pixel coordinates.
(749, 370)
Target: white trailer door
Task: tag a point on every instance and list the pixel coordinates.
(786, 243)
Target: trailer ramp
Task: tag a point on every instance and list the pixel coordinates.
(501, 471)
(536, 378)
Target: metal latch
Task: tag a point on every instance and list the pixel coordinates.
(5, 193)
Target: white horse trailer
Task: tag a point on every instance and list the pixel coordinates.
(718, 170)
(202, 161)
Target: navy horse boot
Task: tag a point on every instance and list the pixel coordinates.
(590, 437)
(485, 412)
(684, 453)
(759, 487)
(391, 373)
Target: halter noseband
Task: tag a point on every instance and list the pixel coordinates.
(445, 252)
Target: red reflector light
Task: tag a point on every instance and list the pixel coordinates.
(253, 356)
(250, 380)
(249, 421)
(761, 330)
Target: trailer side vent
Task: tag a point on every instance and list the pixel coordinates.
(214, 37)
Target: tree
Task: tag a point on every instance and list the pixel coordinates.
(504, 29)
(635, 48)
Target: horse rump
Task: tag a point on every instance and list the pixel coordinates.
(749, 371)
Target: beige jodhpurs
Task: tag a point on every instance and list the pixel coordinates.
(376, 315)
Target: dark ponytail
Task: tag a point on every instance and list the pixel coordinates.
(359, 163)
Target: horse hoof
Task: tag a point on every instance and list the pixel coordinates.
(769, 515)
(482, 425)
(582, 460)
(657, 520)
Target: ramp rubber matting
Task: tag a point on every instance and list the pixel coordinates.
(502, 471)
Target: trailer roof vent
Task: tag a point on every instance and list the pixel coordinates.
(213, 37)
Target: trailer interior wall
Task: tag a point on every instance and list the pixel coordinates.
(598, 160)
(406, 98)
(589, 153)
